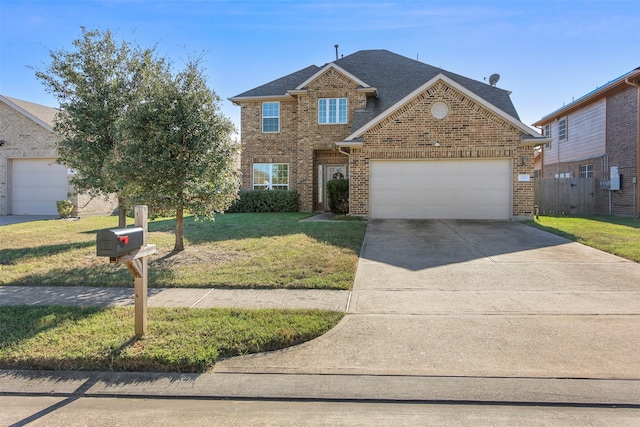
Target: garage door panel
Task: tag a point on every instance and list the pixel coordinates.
(36, 185)
(442, 189)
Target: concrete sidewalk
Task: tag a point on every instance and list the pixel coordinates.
(177, 297)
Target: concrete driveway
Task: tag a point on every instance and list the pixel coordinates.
(476, 299)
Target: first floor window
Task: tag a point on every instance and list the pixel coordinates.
(270, 117)
(270, 176)
(586, 171)
(332, 111)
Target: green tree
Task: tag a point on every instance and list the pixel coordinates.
(180, 147)
(95, 85)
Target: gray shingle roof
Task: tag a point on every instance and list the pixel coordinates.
(394, 76)
(280, 86)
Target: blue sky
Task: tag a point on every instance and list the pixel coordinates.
(547, 52)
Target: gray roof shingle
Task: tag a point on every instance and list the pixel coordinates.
(393, 75)
(280, 86)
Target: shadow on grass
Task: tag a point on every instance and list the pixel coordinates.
(14, 256)
(109, 275)
(22, 322)
(344, 234)
(610, 219)
(553, 230)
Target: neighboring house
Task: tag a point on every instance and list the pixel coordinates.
(415, 141)
(30, 180)
(598, 135)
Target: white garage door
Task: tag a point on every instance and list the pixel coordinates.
(441, 189)
(36, 184)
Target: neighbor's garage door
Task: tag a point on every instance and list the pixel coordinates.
(441, 189)
(36, 184)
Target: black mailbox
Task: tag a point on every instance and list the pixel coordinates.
(119, 241)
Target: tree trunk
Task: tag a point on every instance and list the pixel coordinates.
(122, 213)
(179, 246)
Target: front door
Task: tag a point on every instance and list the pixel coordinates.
(332, 172)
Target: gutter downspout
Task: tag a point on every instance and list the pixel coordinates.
(636, 199)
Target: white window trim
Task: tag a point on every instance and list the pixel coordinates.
(269, 117)
(547, 133)
(587, 168)
(270, 185)
(566, 129)
(338, 111)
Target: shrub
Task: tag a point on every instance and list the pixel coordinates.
(64, 208)
(338, 195)
(265, 201)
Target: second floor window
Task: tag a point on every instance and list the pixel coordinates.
(562, 129)
(547, 133)
(270, 117)
(332, 111)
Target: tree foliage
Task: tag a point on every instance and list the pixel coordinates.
(95, 84)
(131, 126)
(179, 146)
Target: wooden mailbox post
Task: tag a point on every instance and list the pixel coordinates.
(137, 263)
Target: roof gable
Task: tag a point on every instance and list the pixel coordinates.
(41, 114)
(440, 77)
(327, 68)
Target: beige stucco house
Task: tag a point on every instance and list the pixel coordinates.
(415, 141)
(30, 180)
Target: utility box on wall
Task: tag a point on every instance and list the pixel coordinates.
(615, 179)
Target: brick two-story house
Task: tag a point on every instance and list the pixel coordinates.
(30, 180)
(595, 135)
(415, 141)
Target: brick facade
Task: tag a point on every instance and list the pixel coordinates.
(470, 131)
(622, 147)
(26, 139)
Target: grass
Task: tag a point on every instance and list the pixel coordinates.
(178, 340)
(616, 235)
(234, 251)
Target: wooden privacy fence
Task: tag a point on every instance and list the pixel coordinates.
(565, 196)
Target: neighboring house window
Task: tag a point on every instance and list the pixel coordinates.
(270, 176)
(547, 133)
(332, 111)
(586, 171)
(270, 117)
(562, 129)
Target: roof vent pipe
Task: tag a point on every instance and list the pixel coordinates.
(336, 46)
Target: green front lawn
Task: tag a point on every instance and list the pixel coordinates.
(616, 235)
(236, 250)
(178, 340)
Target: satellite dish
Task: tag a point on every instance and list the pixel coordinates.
(493, 79)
